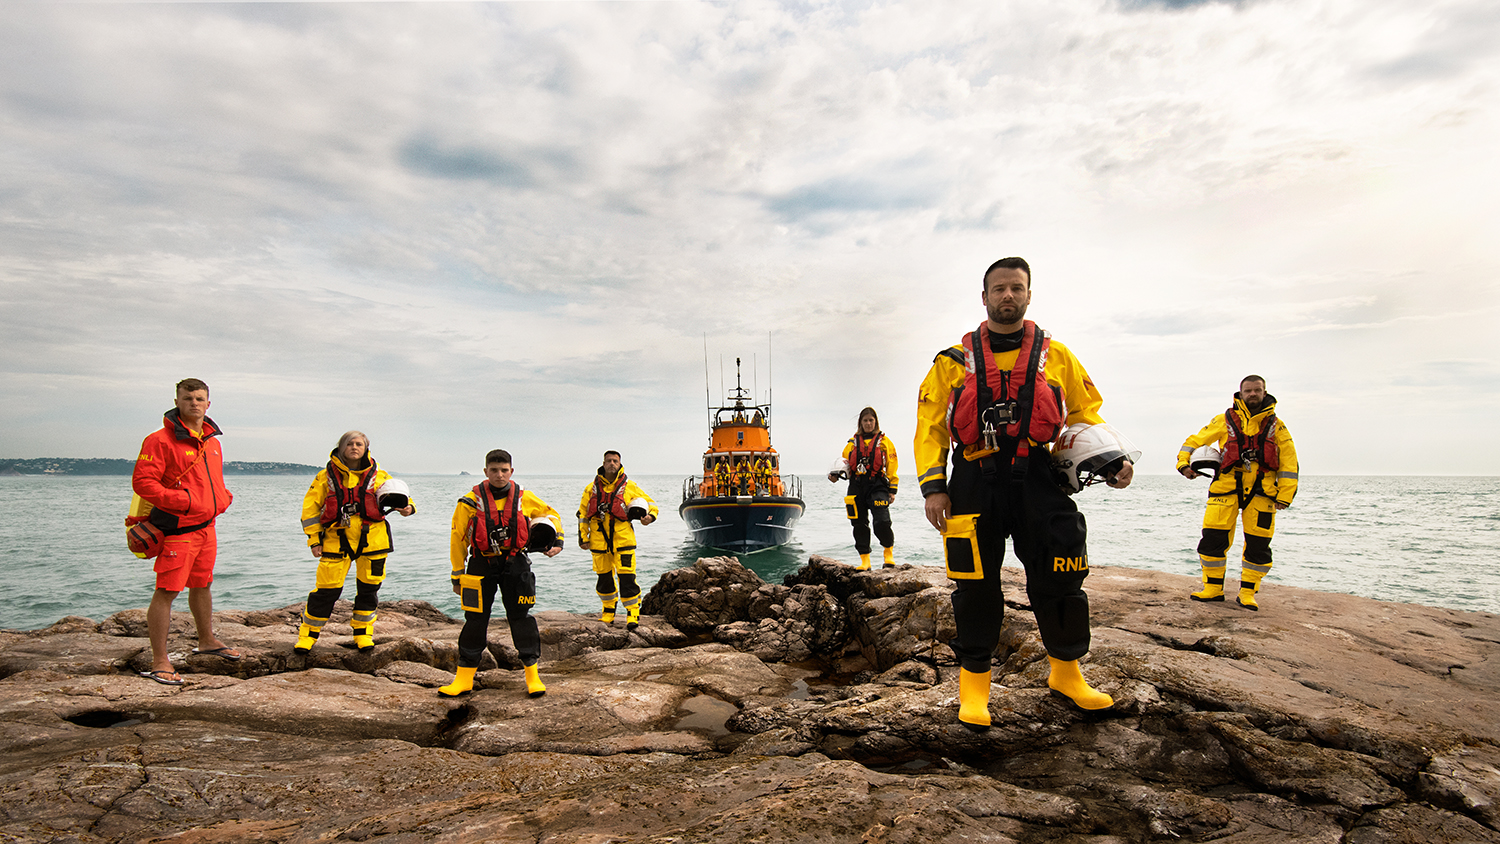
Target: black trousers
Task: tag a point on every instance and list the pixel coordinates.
(1049, 536)
(864, 499)
(513, 577)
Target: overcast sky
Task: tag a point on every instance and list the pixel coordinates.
(466, 226)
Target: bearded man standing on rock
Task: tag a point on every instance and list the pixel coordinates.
(1254, 471)
(999, 397)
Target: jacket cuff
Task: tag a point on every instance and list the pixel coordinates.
(934, 486)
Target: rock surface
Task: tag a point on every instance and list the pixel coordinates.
(819, 709)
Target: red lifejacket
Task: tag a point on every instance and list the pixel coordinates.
(516, 529)
(612, 503)
(1259, 448)
(358, 500)
(867, 463)
(1028, 414)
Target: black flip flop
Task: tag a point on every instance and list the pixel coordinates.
(222, 653)
(161, 677)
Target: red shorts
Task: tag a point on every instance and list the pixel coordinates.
(187, 561)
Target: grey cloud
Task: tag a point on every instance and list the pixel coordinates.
(851, 194)
(472, 162)
(1136, 5)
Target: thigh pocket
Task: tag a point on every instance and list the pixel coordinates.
(961, 548)
(471, 593)
(851, 507)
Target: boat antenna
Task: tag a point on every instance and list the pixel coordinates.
(769, 382)
(708, 399)
(755, 371)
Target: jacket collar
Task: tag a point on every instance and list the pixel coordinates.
(333, 457)
(172, 421)
(1254, 420)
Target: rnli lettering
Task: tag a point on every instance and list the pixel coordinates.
(145, 457)
(1070, 563)
(526, 599)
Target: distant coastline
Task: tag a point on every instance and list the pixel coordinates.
(75, 466)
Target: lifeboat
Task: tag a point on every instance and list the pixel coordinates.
(742, 503)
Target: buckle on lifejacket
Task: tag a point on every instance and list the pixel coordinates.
(499, 535)
(347, 512)
(997, 415)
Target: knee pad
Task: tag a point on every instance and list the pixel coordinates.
(1258, 549)
(628, 587)
(605, 585)
(1214, 544)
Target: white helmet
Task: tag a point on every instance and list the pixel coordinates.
(542, 534)
(394, 494)
(1087, 454)
(1205, 461)
(637, 509)
(839, 469)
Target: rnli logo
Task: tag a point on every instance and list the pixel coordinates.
(526, 599)
(1070, 563)
(145, 457)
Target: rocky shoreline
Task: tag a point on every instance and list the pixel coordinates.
(819, 709)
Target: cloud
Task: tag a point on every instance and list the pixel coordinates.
(462, 218)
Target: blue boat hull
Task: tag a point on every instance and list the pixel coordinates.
(742, 524)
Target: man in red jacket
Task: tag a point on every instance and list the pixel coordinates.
(180, 473)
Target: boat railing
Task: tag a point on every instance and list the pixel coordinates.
(697, 486)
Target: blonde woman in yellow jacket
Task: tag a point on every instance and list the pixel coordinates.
(1257, 475)
(604, 529)
(344, 524)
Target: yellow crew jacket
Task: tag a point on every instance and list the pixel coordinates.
(890, 459)
(604, 533)
(377, 543)
(1279, 485)
(1080, 397)
(466, 512)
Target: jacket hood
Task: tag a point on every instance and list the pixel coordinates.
(1267, 407)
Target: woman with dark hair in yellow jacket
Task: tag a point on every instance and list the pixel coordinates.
(870, 465)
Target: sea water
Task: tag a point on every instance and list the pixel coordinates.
(1427, 540)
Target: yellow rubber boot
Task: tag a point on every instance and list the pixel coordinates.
(463, 683)
(364, 638)
(1249, 585)
(1068, 681)
(974, 699)
(1213, 584)
(890, 558)
(534, 686)
(864, 563)
(306, 638)
(633, 617)
(608, 615)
